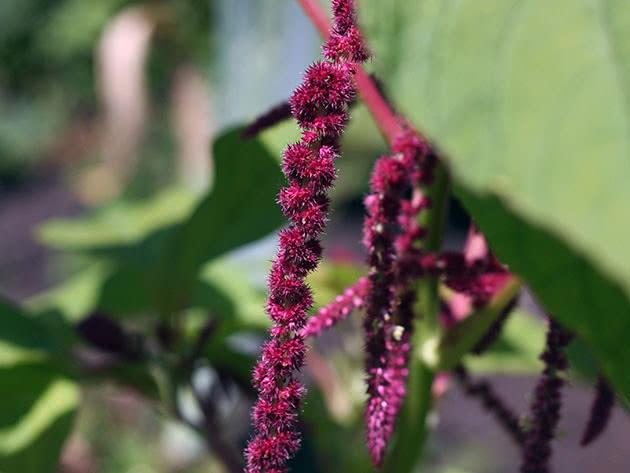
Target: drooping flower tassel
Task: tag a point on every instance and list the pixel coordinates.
(545, 411)
(389, 181)
(319, 106)
(493, 403)
(600, 413)
(395, 263)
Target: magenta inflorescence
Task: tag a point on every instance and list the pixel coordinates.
(344, 304)
(392, 237)
(319, 106)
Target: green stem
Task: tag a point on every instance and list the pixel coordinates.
(408, 447)
(458, 341)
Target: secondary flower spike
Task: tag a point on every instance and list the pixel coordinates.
(492, 402)
(601, 411)
(319, 106)
(353, 298)
(395, 265)
(388, 183)
(547, 402)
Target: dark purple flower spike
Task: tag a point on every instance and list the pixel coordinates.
(394, 260)
(319, 106)
(493, 403)
(545, 411)
(601, 411)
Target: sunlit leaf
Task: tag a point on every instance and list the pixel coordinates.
(530, 104)
(36, 414)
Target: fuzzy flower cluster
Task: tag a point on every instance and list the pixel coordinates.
(388, 183)
(547, 402)
(344, 304)
(319, 106)
(479, 279)
(394, 257)
(600, 412)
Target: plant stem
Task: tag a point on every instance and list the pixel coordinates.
(380, 110)
(408, 447)
(458, 341)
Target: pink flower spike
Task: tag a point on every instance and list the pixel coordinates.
(319, 106)
(344, 304)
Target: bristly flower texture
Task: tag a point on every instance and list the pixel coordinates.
(547, 402)
(394, 261)
(319, 106)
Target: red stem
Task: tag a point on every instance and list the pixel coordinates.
(379, 108)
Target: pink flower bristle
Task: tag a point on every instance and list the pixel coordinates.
(319, 106)
(344, 304)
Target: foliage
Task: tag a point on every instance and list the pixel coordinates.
(526, 117)
(520, 141)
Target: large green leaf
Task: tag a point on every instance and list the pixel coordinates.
(38, 400)
(530, 103)
(36, 414)
(22, 336)
(157, 255)
(240, 210)
(26, 336)
(120, 222)
(77, 296)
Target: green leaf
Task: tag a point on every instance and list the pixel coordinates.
(76, 297)
(223, 287)
(240, 210)
(155, 251)
(22, 336)
(121, 222)
(27, 337)
(531, 106)
(517, 350)
(570, 288)
(36, 415)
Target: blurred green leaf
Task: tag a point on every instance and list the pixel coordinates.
(156, 252)
(74, 26)
(516, 351)
(240, 210)
(76, 297)
(22, 335)
(121, 222)
(36, 414)
(26, 337)
(331, 279)
(532, 111)
(572, 289)
(221, 286)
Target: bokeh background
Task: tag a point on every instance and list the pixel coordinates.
(108, 109)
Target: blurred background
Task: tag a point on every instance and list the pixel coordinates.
(108, 112)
